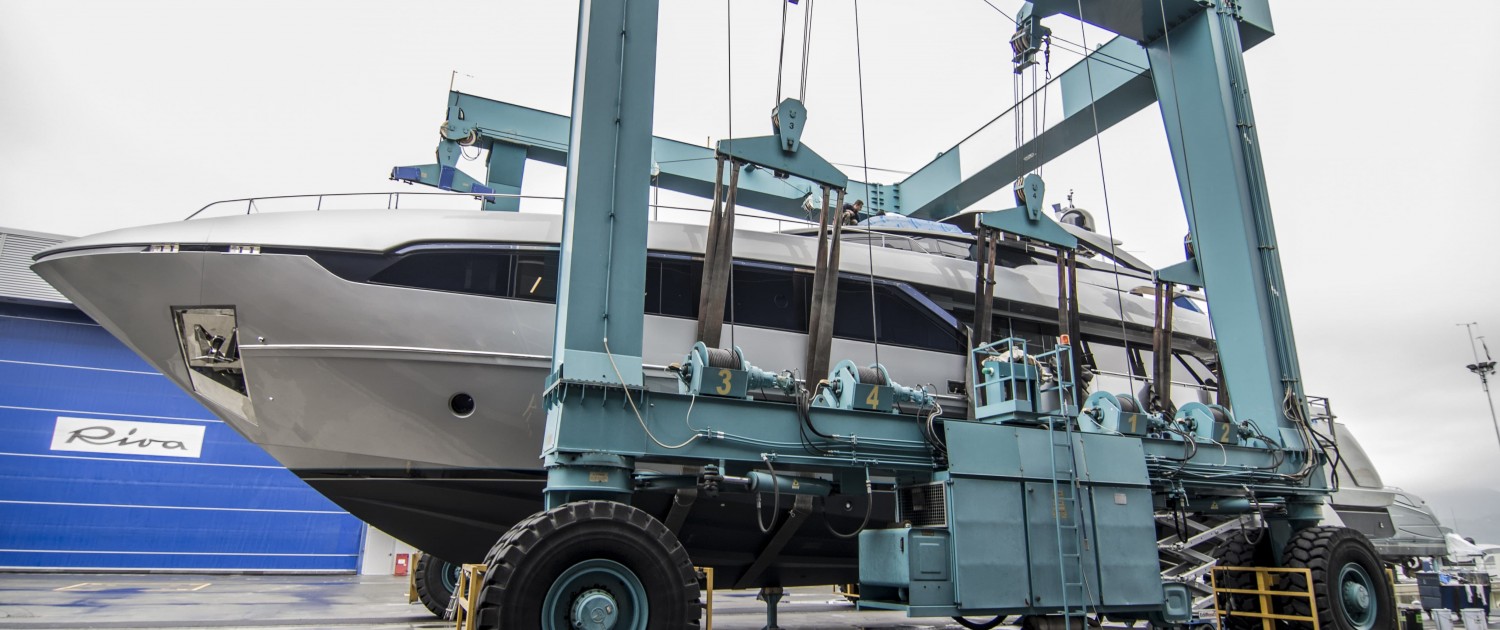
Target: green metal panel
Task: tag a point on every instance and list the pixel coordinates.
(725, 382)
(504, 171)
(929, 554)
(766, 151)
(883, 559)
(1114, 66)
(873, 397)
(1111, 459)
(1124, 536)
(1034, 446)
(1043, 512)
(989, 543)
(733, 430)
(913, 559)
(976, 449)
(1143, 20)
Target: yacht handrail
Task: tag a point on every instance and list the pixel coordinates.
(780, 220)
(392, 201)
(850, 229)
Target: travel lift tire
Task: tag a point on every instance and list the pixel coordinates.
(589, 564)
(1349, 581)
(1239, 551)
(980, 625)
(436, 579)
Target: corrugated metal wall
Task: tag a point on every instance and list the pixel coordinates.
(231, 507)
(16, 279)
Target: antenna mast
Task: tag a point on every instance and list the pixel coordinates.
(1484, 369)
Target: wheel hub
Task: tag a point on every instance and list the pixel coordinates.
(450, 576)
(1357, 595)
(596, 594)
(595, 610)
(1358, 598)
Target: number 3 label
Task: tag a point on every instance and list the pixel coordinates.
(723, 388)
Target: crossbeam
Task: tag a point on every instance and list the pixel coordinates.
(987, 161)
(542, 136)
(965, 174)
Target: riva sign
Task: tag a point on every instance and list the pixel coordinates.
(92, 435)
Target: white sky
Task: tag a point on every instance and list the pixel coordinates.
(1377, 126)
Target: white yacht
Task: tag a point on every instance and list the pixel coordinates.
(394, 359)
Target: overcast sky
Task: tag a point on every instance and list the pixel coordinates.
(1377, 126)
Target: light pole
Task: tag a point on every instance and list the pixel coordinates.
(1484, 369)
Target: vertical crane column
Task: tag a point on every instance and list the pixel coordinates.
(1198, 68)
(602, 277)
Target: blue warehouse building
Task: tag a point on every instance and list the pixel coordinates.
(106, 465)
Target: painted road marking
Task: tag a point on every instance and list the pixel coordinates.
(142, 587)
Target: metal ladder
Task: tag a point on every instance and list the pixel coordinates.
(1065, 490)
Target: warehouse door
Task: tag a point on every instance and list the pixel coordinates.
(105, 464)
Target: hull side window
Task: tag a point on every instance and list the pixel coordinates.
(476, 273)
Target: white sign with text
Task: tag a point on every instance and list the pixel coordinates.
(93, 435)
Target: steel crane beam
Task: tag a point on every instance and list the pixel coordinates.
(514, 131)
(963, 175)
(602, 273)
(987, 160)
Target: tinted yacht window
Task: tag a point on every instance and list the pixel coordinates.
(672, 285)
(770, 297)
(536, 276)
(766, 296)
(479, 273)
(900, 319)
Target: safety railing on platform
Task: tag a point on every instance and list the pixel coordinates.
(412, 596)
(1002, 377)
(466, 596)
(706, 575)
(1264, 596)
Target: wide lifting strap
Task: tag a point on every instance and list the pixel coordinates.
(718, 256)
(1161, 350)
(825, 288)
(1067, 312)
(984, 299)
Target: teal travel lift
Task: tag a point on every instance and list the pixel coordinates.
(1036, 503)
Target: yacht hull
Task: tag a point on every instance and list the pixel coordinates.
(349, 385)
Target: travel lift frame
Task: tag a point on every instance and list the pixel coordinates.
(1035, 485)
(1096, 95)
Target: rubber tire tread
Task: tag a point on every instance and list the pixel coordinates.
(536, 550)
(428, 576)
(1238, 552)
(980, 625)
(1318, 548)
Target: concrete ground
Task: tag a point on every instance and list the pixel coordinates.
(72, 600)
